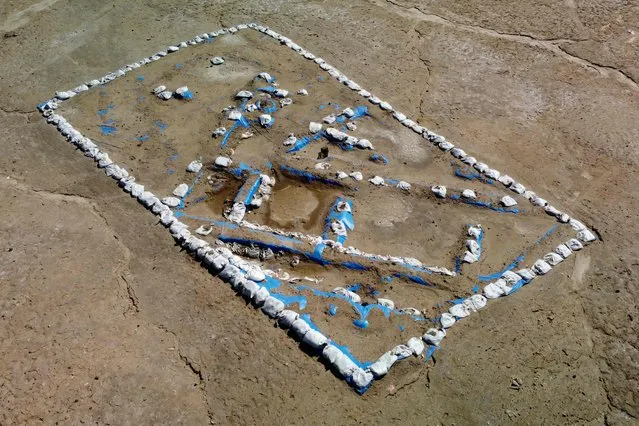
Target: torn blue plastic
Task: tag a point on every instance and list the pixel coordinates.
(486, 205)
(309, 177)
(142, 138)
(188, 192)
(379, 158)
(469, 174)
(187, 96)
(360, 111)
(290, 300)
(248, 190)
(267, 109)
(302, 142)
(346, 217)
(241, 168)
(332, 309)
(497, 275)
(267, 89)
(160, 125)
(178, 66)
(414, 278)
(140, 78)
(107, 129)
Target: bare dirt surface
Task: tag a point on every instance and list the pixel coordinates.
(105, 320)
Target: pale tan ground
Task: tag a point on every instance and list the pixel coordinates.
(104, 321)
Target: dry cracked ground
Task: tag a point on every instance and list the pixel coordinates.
(104, 320)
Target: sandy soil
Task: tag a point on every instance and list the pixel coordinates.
(105, 321)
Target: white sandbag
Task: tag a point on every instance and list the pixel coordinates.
(260, 296)
(265, 120)
(574, 244)
(228, 272)
(290, 140)
(402, 351)
(171, 201)
(511, 278)
(364, 93)
(458, 152)
(473, 247)
(193, 243)
(538, 201)
(223, 161)
(167, 218)
(244, 94)
(216, 262)
(363, 143)
(348, 112)
(586, 236)
(476, 302)
(280, 93)
(300, 328)
(470, 257)
(165, 95)
(386, 303)
(352, 127)
(469, 193)
(446, 146)
(416, 345)
(220, 131)
(361, 378)
(404, 186)
(434, 336)
(330, 119)
(377, 180)
(399, 116)
(481, 167)
(249, 289)
(439, 191)
(469, 160)
(287, 318)
(506, 180)
(357, 176)
(159, 89)
(347, 294)
(493, 174)
(385, 106)
(563, 250)
(272, 307)
(447, 320)
(410, 311)
(314, 339)
(517, 187)
(577, 225)
(335, 134)
(526, 274)
(507, 201)
(380, 367)
(541, 267)
(553, 259)
(302, 92)
(194, 166)
(181, 190)
(237, 212)
(146, 198)
(493, 291)
(460, 310)
(204, 230)
(256, 274)
(237, 282)
(234, 115)
(217, 60)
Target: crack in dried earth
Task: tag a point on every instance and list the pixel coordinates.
(554, 45)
